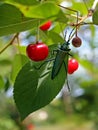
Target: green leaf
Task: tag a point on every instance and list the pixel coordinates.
(37, 89)
(18, 61)
(79, 6)
(55, 37)
(95, 17)
(48, 89)
(25, 2)
(12, 20)
(1, 82)
(45, 10)
(25, 89)
(51, 37)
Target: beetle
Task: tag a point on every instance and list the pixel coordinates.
(62, 52)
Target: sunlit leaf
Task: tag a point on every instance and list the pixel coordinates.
(55, 37)
(47, 10)
(51, 37)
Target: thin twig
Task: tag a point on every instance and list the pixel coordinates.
(80, 19)
(10, 43)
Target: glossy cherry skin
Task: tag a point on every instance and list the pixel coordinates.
(72, 66)
(37, 52)
(46, 25)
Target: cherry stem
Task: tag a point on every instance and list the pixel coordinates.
(37, 37)
(76, 25)
(10, 43)
(18, 41)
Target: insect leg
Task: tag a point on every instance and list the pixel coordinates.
(66, 76)
(48, 60)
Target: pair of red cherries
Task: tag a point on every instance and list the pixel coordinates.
(39, 51)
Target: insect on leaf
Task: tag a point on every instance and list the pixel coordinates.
(34, 89)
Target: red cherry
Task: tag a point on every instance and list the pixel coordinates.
(30, 127)
(37, 52)
(72, 65)
(46, 25)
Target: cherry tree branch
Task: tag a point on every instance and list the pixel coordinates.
(10, 43)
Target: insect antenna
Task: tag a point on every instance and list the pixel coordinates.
(46, 61)
(71, 34)
(65, 35)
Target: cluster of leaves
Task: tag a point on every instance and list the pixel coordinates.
(33, 88)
